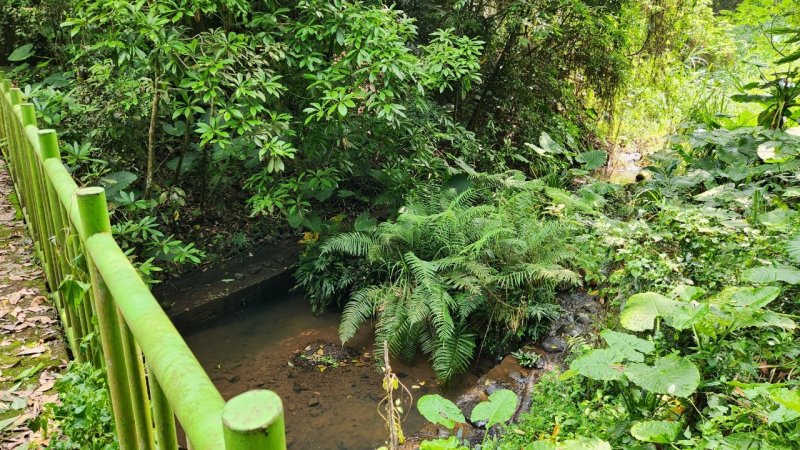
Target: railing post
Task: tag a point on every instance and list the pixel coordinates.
(254, 421)
(94, 218)
(163, 417)
(48, 147)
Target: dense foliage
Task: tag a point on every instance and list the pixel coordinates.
(302, 110)
(452, 267)
(83, 414)
(476, 131)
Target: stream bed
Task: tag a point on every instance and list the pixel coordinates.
(326, 407)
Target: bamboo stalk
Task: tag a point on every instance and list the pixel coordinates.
(94, 216)
(254, 420)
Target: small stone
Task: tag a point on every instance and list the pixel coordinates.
(313, 402)
(489, 390)
(572, 332)
(314, 413)
(554, 344)
(583, 318)
(266, 264)
(254, 269)
(516, 377)
(280, 259)
(444, 433)
(233, 379)
(539, 364)
(591, 307)
(238, 276)
(289, 375)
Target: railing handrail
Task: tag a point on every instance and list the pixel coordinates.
(129, 319)
(195, 400)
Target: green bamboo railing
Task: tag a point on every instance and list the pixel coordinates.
(153, 377)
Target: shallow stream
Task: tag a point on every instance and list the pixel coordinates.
(331, 408)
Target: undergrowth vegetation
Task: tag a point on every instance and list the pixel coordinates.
(454, 268)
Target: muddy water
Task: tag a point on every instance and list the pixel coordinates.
(332, 409)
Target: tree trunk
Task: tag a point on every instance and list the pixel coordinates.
(151, 141)
(490, 82)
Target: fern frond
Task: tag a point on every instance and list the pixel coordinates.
(451, 356)
(439, 302)
(359, 309)
(354, 244)
(424, 271)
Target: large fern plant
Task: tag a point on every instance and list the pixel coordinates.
(452, 268)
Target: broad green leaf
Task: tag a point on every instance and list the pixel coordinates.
(777, 217)
(439, 410)
(631, 347)
(584, 443)
(21, 53)
(785, 274)
(540, 445)
(684, 316)
(593, 159)
(656, 431)
(117, 181)
(641, 310)
(754, 298)
(765, 319)
(498, 409)
(603, 364)
(671, 375)
(688, 293)
(788, 398)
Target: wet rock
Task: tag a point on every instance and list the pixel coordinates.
(254, 269)
(313, 402)
(554, 344)
(572, 331)
(516, 376)
(238, 276)
(583, 318)
(591, 307)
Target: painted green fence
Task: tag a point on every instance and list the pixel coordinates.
(153, 377)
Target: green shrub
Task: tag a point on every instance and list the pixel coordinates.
(84, 413)
(453, 267)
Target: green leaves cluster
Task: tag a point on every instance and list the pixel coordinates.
(449, 263)
(84, 410)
